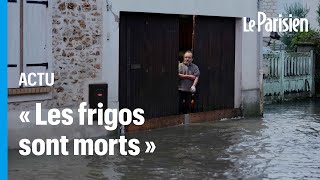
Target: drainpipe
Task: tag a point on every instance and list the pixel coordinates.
(260, 62)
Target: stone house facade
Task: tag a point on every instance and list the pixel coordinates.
(76, 60)
(83, 38)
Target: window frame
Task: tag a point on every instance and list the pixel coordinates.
(37, 92)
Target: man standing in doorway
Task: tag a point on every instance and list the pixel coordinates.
(188, 74)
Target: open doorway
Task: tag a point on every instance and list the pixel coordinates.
(186, 33)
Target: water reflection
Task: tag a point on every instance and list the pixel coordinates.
(282, 145)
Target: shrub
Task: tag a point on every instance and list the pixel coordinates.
(298, 11)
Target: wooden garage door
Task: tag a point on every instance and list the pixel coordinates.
(149, 47)
(214, 53)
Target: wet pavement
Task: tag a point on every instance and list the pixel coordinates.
(284, 144)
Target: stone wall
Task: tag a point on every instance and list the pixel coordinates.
(269, 7)
(76, 51)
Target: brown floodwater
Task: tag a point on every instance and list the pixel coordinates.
(284, 144)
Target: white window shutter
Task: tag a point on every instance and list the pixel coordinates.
(13, 43)
(35, 34)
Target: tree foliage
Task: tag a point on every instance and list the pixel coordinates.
(297, 10)
(318, 14)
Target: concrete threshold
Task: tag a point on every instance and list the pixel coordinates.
(168, 121)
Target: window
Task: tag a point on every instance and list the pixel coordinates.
(29, 41)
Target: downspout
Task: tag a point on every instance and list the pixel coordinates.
(260, 62)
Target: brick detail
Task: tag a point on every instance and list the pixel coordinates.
(26, 91)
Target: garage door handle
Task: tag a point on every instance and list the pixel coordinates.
(135, 66)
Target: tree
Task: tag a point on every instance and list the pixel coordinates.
(318, 13)
(297, 10)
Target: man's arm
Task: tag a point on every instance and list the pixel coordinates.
(196, 74)
(183, 76)
(195, 82)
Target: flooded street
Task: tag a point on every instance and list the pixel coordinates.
(284, 144)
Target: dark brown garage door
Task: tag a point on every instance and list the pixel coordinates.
(149, 47)
(149, 55)
(214, 53)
